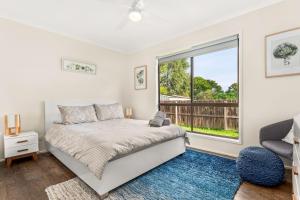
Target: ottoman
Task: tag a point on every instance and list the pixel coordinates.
(260, 166)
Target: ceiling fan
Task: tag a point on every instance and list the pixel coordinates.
(135, 11)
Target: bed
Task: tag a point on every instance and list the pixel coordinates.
(122, 168)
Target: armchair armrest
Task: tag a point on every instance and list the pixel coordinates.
(275, 131)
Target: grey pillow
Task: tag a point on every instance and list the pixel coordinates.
(77, 114)
(158, 119)
(109, 111)
(160, 114)
(156, 122)
(167, 122)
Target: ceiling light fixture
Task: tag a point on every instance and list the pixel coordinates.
(135, 15)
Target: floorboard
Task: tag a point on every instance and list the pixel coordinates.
(28, 179)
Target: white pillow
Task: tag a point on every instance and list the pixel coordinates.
(110, 111)
(77, 114)
(289, 138)
(296, 125)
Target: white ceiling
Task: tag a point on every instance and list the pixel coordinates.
(105, 22)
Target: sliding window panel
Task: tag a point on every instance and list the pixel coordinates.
(175, 91)
(215, 91)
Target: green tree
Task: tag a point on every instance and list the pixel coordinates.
(207, 89)
(204, 95)
(233, 92)
(174, 78)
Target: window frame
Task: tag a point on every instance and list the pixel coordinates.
(239, 82)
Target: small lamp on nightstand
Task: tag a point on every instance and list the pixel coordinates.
(12, 124)
(128, 113)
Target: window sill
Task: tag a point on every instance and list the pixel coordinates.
(216, 138)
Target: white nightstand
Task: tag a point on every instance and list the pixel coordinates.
(23, 145)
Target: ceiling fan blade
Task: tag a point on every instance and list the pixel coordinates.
(139, 4)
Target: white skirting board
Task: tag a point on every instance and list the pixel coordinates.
(122, 170)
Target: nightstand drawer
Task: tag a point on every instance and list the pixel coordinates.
(20, 150)
(20, 141)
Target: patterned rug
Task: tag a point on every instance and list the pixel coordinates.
(193, 175)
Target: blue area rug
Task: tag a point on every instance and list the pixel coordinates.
(193, 175)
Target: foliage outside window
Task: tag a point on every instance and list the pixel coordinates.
(194, 96)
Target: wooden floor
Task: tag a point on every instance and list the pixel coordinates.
(254, 192)
(27, 180)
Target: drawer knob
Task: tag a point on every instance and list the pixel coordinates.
(21, 150)
(22, 141)
(295, 170)
(296, 140)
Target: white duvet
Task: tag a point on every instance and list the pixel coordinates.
(95, 144)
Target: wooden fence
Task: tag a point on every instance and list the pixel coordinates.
(218, 114)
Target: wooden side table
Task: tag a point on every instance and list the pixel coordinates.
(23, 145)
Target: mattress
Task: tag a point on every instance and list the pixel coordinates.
(95, 144)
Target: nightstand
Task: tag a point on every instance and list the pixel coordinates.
(23, 145)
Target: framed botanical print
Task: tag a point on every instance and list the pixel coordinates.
(81, 67)
(283, 53)
(140, 78)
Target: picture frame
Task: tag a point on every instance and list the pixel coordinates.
(78, 66)
(140, 77)
(282, 51)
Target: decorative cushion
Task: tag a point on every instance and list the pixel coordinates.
(158, 119)
(77, 114)
(167, 122)
(260, 166)
(296, 125)
(160, 114)
(110, 111)
(156, 122)
(289, 138)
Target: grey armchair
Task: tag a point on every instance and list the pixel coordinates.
(271, 138)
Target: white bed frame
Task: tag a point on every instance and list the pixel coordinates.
(116, 172)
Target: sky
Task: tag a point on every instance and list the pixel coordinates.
(220, 66)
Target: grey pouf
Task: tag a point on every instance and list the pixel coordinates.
(260, 166)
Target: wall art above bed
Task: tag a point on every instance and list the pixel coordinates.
(75, 66)
(140, 78)
(283, 53)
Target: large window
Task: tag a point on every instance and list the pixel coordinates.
(198, 89)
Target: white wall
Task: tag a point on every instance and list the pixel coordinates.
(30, 72)
(264, 100)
